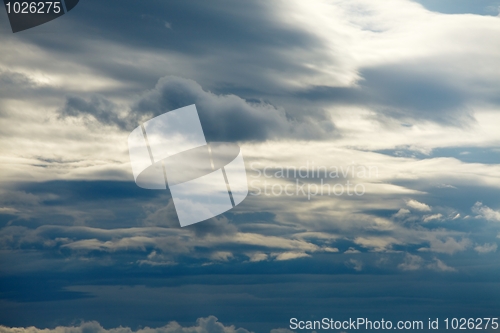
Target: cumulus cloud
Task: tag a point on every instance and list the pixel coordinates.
(351, 250)
(486, 212)
(486, 248)
(449, 245)
(203, 325)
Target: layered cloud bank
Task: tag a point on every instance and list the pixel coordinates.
(314, 92)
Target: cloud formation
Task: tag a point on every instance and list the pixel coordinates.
(203, 325)
(486, 212)
(223, 117)
(229, 117)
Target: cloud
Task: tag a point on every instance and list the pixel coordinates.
(291, 255)
(450, 245)
(155, 259)
(101, 109)
(221, 256)
(428, 218)
(378, 244)
(418, 205)
(357, 265)
(203, 325)
(486, 248)
(229, 117)
(8, 210)
(440, 266)
(258, 256)
(486, 212)
(281, 330)
(223, 117)
(411, 263)
(351, 250)
(403, 212)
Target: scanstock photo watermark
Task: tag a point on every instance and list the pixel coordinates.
(310, 179)
(367, 324)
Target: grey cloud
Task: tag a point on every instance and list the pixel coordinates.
(449, 245)
(486, 248)
(414, 262)
(102, 109)
(223, 117)
(440, 266)
(411, 263)
(202, 34)
(407, 93)
(229, 117)
(9, 78)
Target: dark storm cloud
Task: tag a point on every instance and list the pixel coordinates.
(260, 53)
(199, 32)
(223, 117)
(228, 117)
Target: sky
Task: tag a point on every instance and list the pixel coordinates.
(370, 135)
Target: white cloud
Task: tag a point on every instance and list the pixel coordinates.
(221, 256)
(402, 213)
(351, 250)
(290, 255)
(486, 248)
(450, 245)
(8, 210)
(418, 205)
(203, 325)
(258, 256)
(330, 249)
(377, 243)
(486, 212)
(428, 218)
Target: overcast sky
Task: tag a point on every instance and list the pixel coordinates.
(399, 98)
